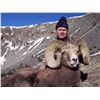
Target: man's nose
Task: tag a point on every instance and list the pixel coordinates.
(62, 32)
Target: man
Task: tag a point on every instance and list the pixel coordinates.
(62, 31)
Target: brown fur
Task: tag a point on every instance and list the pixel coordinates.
(43, 78)
(53, 53)
(84, 55)
(63, 76)
(56, 47)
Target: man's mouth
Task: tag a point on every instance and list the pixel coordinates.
(62, 35)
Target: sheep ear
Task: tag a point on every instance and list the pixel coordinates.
(84, 52)
(63, 50)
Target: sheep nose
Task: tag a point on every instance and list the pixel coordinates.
(75, 59)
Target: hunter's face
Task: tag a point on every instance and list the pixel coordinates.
(62, 32)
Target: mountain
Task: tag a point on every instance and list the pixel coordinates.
(24, 46)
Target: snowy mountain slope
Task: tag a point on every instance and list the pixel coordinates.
(26, 45)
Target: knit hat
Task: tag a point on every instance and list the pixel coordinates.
(62, 23)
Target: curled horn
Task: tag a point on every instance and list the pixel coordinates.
(53, 54)
(84, 52)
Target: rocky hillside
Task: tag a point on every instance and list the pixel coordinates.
(93, 70)
(24, 46)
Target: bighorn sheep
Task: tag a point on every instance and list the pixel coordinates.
(56, 49)
(64, 68)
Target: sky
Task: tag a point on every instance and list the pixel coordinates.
(23, 19)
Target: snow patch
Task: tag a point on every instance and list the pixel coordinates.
(0, 34)
(11, 28)
(24, 53)
(50, 22)
(36, 43)
(38, 40)
(5, 42)
(18, 27)
(95, 54)
(48, 37)
(40, 51)
(77, 30)
(20, 59)
(31, 47)
(11, 47)
(21, 48)
(7, 33)
(90, 31)
(30, 41)
(12, 33)
(73, 17)
(41, 28)
(2, 60)
(31, 26)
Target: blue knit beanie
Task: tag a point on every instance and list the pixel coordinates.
(62, 23)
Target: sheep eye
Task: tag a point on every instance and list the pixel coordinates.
(77, 51)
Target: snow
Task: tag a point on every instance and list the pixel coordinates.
(5, 42)
(11, 28)
(77, 16)
(12, 33)
(30, 47)
(30, 41)
(0, 34)
(48, 37)
(18, 27)
(2, 60)
(7, 33)
(36, 44)
(90, 30)
(77, 30)
(24, 53)
(31, 26)
(40, 51)
(95, 54)
(49, 22)
(42, 28)
(20, 48)
(7, 50)
(20, 59)
(52, 22)
(10, 46)
(38, 40)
